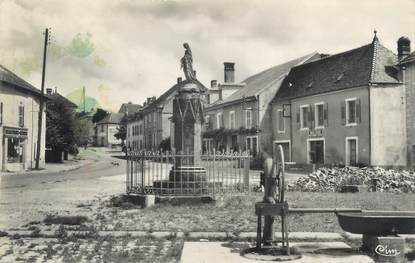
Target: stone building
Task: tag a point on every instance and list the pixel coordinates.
(407, 74)
(107, 128)
(135, 132)
(348, 108)
(19, 118)
(239, 119)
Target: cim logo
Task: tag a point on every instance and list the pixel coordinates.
(387, 252)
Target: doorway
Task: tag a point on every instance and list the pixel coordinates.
(351, 151)
(285, 148)
(316, 151)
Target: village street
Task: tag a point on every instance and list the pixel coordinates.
(31, 196)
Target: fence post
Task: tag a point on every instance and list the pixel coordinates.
(246, 173)
(127, 181)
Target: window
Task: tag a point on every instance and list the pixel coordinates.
(102, 128)
(21, 116)
(304, 116)
(219, 120)
(1, 112)
(248, 119)
(319, 112)
(232, 120)
(14, 150)
(281, 124)
(351, 111)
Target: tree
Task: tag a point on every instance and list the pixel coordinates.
(122, 130)
(60, 125)
(83, 129)
(99, 115)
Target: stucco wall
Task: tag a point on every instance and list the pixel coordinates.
(112, 130)
(12, 99)
(409, 80)
(334, 133)
(388, 127)
(134, 137)
(239, 109)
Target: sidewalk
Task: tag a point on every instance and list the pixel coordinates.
(69, 165)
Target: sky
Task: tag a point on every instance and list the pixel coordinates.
(125, 50)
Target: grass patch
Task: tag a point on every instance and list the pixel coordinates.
(65, 220)
(235, 214)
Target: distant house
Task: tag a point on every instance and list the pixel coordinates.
(107, 128)
(239, 119)
(19, 118)
(129, 108)
(348, 108)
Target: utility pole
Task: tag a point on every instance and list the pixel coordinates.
(83, 96)
(41, 102)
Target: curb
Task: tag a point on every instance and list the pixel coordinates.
(302, 236)
(297, 236)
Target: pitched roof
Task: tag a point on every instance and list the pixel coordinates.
(11, 78)
(255, 84)
(353, 68)
(410, 58)
(59, 96)
(129, 108)
(112, 117)
(167, 93)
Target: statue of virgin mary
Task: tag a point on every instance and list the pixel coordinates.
(186, 63)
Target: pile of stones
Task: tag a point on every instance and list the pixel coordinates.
(376, 179)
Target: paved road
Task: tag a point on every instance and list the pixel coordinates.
(29, 197)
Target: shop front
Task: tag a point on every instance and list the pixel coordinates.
(14, 147)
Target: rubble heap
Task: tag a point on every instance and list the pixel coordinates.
(332, 179)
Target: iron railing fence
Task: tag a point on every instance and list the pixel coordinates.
(167, 173)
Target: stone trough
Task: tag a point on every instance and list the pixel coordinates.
(379, 223)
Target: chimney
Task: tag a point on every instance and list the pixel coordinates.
(404, 47)
(179, 79)
(49, 91)
(229, 72)
(213, 83)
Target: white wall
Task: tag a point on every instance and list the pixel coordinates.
(388, 129)
(12, 99)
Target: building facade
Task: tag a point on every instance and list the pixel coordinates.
(107, 128)
(347, 109)
(407, 74)
(135, 132)
(19, 118)
(240, 120)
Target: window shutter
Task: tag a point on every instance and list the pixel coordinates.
(358, 111)
(343, 112)
(298, 119)
(326, 115)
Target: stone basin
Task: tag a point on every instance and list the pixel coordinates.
(378, 223)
